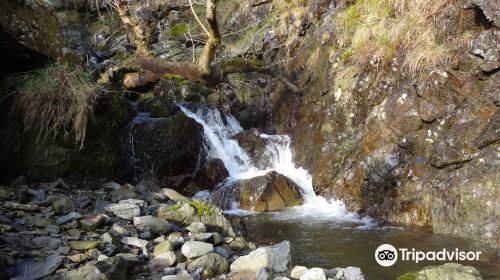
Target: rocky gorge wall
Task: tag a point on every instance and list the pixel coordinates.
(410, 150)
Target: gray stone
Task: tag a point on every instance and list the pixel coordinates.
(118, 230)
(125, 211)
(276, 258)
(162, 261)
(163, 247)
(85, 245)
(196, 227)
(194, 249)
(298, 271)
(314, 273)
(53, 229)
(173, 195)
(177, 239)
(93, 222)
(263, 274)
(178, 277)
(212, 261)
(353, 273)
(134, 241)
(30, 270)
(153, 224)
(203, 236)
(110, 186)
(114, 268)
(63, 206)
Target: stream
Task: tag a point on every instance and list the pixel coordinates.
(323, 233)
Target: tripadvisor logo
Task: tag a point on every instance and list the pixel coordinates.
(387, 255)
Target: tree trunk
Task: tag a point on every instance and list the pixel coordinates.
(138, 31)
(213, 41)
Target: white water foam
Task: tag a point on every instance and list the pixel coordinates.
(220, 145)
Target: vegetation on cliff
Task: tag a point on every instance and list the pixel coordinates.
(58, 99)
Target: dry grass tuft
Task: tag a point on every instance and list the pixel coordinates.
(384, 29)
(58, 99)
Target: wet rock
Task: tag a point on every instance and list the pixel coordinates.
(272, 191)
(162, 261)
(249, 116)
(211, 174)
(85, 245)
(163, 247)
(153, 224)
(114, 268)
(255, 146)
(215, 262)
(68, 218)
(174, 145)
(449, 271)
(159, 107)
(194, 249)
(298, 271)
(276, 258)
(125, 211)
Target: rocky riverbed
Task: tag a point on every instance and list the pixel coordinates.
(60, 231)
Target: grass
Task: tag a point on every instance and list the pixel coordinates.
(380, 30)
(59, 98)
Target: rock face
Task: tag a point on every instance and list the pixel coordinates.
(388, 143)
(276, 258)
(170, 147)
(272, 191)
(31, 35)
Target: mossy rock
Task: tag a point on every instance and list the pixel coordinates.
(408, 276)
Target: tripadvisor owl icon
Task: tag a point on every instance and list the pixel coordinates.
(386, 255)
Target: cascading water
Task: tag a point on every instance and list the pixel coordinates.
(220, 145)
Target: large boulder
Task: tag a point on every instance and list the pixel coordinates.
(212, 174)
(276, 258)
(444, 272)
(269, 192)
(213, 261)
(171, 147)
(187, 212)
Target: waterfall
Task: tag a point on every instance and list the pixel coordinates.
(218, 136)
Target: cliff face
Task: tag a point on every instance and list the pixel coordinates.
(411, 147)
